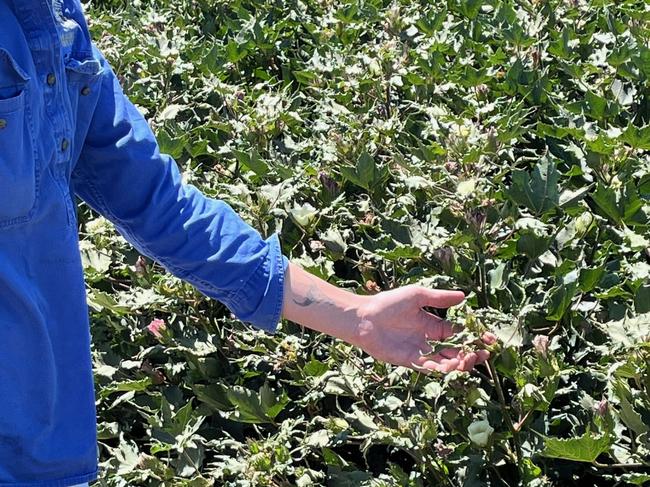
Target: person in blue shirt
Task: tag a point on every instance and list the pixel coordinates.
(67, 130)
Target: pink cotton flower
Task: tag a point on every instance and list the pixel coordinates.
(540, 342)
(601, 407)
(156, 327)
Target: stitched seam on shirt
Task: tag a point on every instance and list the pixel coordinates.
(181, 273)
(85, 477)
(37, 168)
(278, 309)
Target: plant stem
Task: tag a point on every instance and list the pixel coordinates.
(482, 277)
(618, 465)
(504, 409)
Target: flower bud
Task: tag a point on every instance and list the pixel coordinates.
(540, 342)
(482, 90)
(476, 219)
(328, 183)
(489, 338)
(140, 266)
(451, 166)
(480, 432)
(156, 327)
(446, 257)
(372, 287)
(600, 408)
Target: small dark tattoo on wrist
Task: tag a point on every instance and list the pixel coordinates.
(314, 296)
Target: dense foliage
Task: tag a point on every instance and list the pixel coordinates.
(500, 147)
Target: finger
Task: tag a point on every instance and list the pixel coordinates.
(437, 329)
(441, 364)
(449, 352)
(467, 361)
(447, 365)
(481, 356)
(450, 359)
(439, 298)
(421, 369)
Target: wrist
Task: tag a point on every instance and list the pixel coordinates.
(362, 323)
(321, 306)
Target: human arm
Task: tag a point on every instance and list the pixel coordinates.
(124, 177)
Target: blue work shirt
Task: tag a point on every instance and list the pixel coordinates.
(67, 129)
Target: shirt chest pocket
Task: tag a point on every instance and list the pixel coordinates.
(19, 171)
(83, 78)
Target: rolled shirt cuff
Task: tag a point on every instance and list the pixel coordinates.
(260, 300)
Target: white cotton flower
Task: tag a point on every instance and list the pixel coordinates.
(304, 214)
(480, 432)
(98, 226)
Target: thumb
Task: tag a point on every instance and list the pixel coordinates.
(440, 298)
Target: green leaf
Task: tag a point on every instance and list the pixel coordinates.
(365, 173)
(499, 277)
(271, 404)
(366, 169)
(642, 299)
(606, 200)
(235, 52)
(533, 245)
(400, 252)
(129, 385)
(642, 60)
(213, 395)
(628, 331)
(636, 478)
(469, 8)
(315, 368)
(340, 478)
(248, 408)
(99, 300)
(629, 416)
(252, 161)
(561, 296)
(560, 46)
(537, 191)
(590, 277)
(171, 145)
(595, 106)
(585, 448)
(637, 137)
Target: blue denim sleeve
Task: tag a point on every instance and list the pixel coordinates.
(123, 176)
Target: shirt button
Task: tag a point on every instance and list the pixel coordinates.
(51, 79)
(64, 145)
(85, 91)
(3, 123)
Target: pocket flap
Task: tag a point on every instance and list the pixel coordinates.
(10, 73)
(83, 70)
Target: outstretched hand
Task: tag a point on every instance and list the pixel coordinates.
(395, 328)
